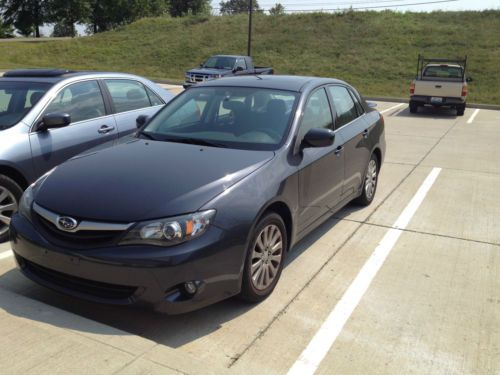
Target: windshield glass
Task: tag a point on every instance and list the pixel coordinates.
(234, 117)
(443, 71)
(16, 100)
(220, 62)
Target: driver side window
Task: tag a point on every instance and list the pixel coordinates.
(82, 101)
(317, 113)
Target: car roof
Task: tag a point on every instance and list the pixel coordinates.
(277, 82)
(53, 75)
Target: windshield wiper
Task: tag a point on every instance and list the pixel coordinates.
(196, 141)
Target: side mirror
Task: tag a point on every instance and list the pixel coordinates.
(201, 65)
(141, 121)
(318, 137)
(54, 121)
(372, 104)
(238, 69)
(468, 79)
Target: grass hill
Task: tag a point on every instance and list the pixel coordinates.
(375, 51)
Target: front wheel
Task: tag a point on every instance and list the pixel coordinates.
(370, 182)
(10, 193)
(264, 260)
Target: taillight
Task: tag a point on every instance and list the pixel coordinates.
(464, 90)
(382, 120)
(412, 88)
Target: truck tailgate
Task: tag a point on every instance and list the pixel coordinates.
(443, 89)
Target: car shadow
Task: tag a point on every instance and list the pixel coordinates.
(173, 331)
(429, 112)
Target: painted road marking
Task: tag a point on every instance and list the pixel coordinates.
(6, 254)
(393, 107)
(315, 352)
(473, 116)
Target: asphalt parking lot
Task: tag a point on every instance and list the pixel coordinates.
(409, 284)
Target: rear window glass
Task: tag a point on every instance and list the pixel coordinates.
(17, 99)
(443, 71)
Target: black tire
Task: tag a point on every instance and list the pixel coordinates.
(461, 110)
(10, 193)
(250, 290)
(413, 107)
(371, 177)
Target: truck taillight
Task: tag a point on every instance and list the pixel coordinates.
(464, 90)
(412, 88)
(382, 120)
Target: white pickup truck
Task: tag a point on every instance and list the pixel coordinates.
(440, 83)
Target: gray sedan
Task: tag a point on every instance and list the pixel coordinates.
(48, 116)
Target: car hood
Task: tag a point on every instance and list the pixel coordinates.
(209, 71)
(144, 180)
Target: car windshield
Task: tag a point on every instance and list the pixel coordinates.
(443, 71)
(233, 117)
(17, 99)
(220, 62)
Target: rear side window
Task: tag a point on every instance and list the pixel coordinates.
(127, 95)
(82, 101)
(317, 113)
(241, 63)
(343, 104)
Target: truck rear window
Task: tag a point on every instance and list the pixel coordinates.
(443, 71)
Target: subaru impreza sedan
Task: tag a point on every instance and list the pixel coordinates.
(48, 116)
(207, 199)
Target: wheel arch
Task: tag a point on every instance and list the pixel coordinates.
(282, 209)
(14, 175)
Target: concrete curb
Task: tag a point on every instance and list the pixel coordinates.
(405, 100)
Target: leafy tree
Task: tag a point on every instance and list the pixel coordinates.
(6, 31)
(25, 15)
(179, 8)
(66, 13)
(277, 10)
(237, 6)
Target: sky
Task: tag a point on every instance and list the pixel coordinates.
(383, 4)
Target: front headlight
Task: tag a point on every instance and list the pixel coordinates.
(26, 202)
(170, 231)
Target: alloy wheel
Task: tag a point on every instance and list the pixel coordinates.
(8, 205)
(266, 258)
(371, 179)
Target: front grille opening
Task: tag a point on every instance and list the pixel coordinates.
(83, 286)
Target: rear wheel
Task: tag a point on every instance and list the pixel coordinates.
(10, 193)
(461, 110)
(265, 257)
(413, 107)
(370, 183)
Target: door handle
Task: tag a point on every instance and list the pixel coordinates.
(105, 129)
(365, 133)
(438, 86)
(338, 150)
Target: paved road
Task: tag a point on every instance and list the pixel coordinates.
(427, 302)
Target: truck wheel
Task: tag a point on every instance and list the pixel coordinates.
(413, 107)
(10, 193)
(461, 110)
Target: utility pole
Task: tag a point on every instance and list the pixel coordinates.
(250, 11)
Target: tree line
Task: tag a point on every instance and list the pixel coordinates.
(26, 17)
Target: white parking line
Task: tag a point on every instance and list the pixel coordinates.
(6, 254)
(315, 352)
(473, 116)
(393, 107)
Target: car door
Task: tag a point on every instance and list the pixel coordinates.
(352, 125)
(131, 99)
(321, 170)
(91, 125)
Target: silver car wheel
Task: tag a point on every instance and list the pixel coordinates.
(8, 205)
(266, 257)
(371, 179)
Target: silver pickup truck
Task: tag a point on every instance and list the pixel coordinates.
(440, 83)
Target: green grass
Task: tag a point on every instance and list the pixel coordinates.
(374, 51)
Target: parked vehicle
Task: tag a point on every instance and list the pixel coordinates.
(224, 66)
(48, 116)
(208, 198)
(440, 83)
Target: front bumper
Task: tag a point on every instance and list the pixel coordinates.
(446, 101)
(134, 275)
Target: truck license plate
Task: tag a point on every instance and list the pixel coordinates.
(435, 99)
